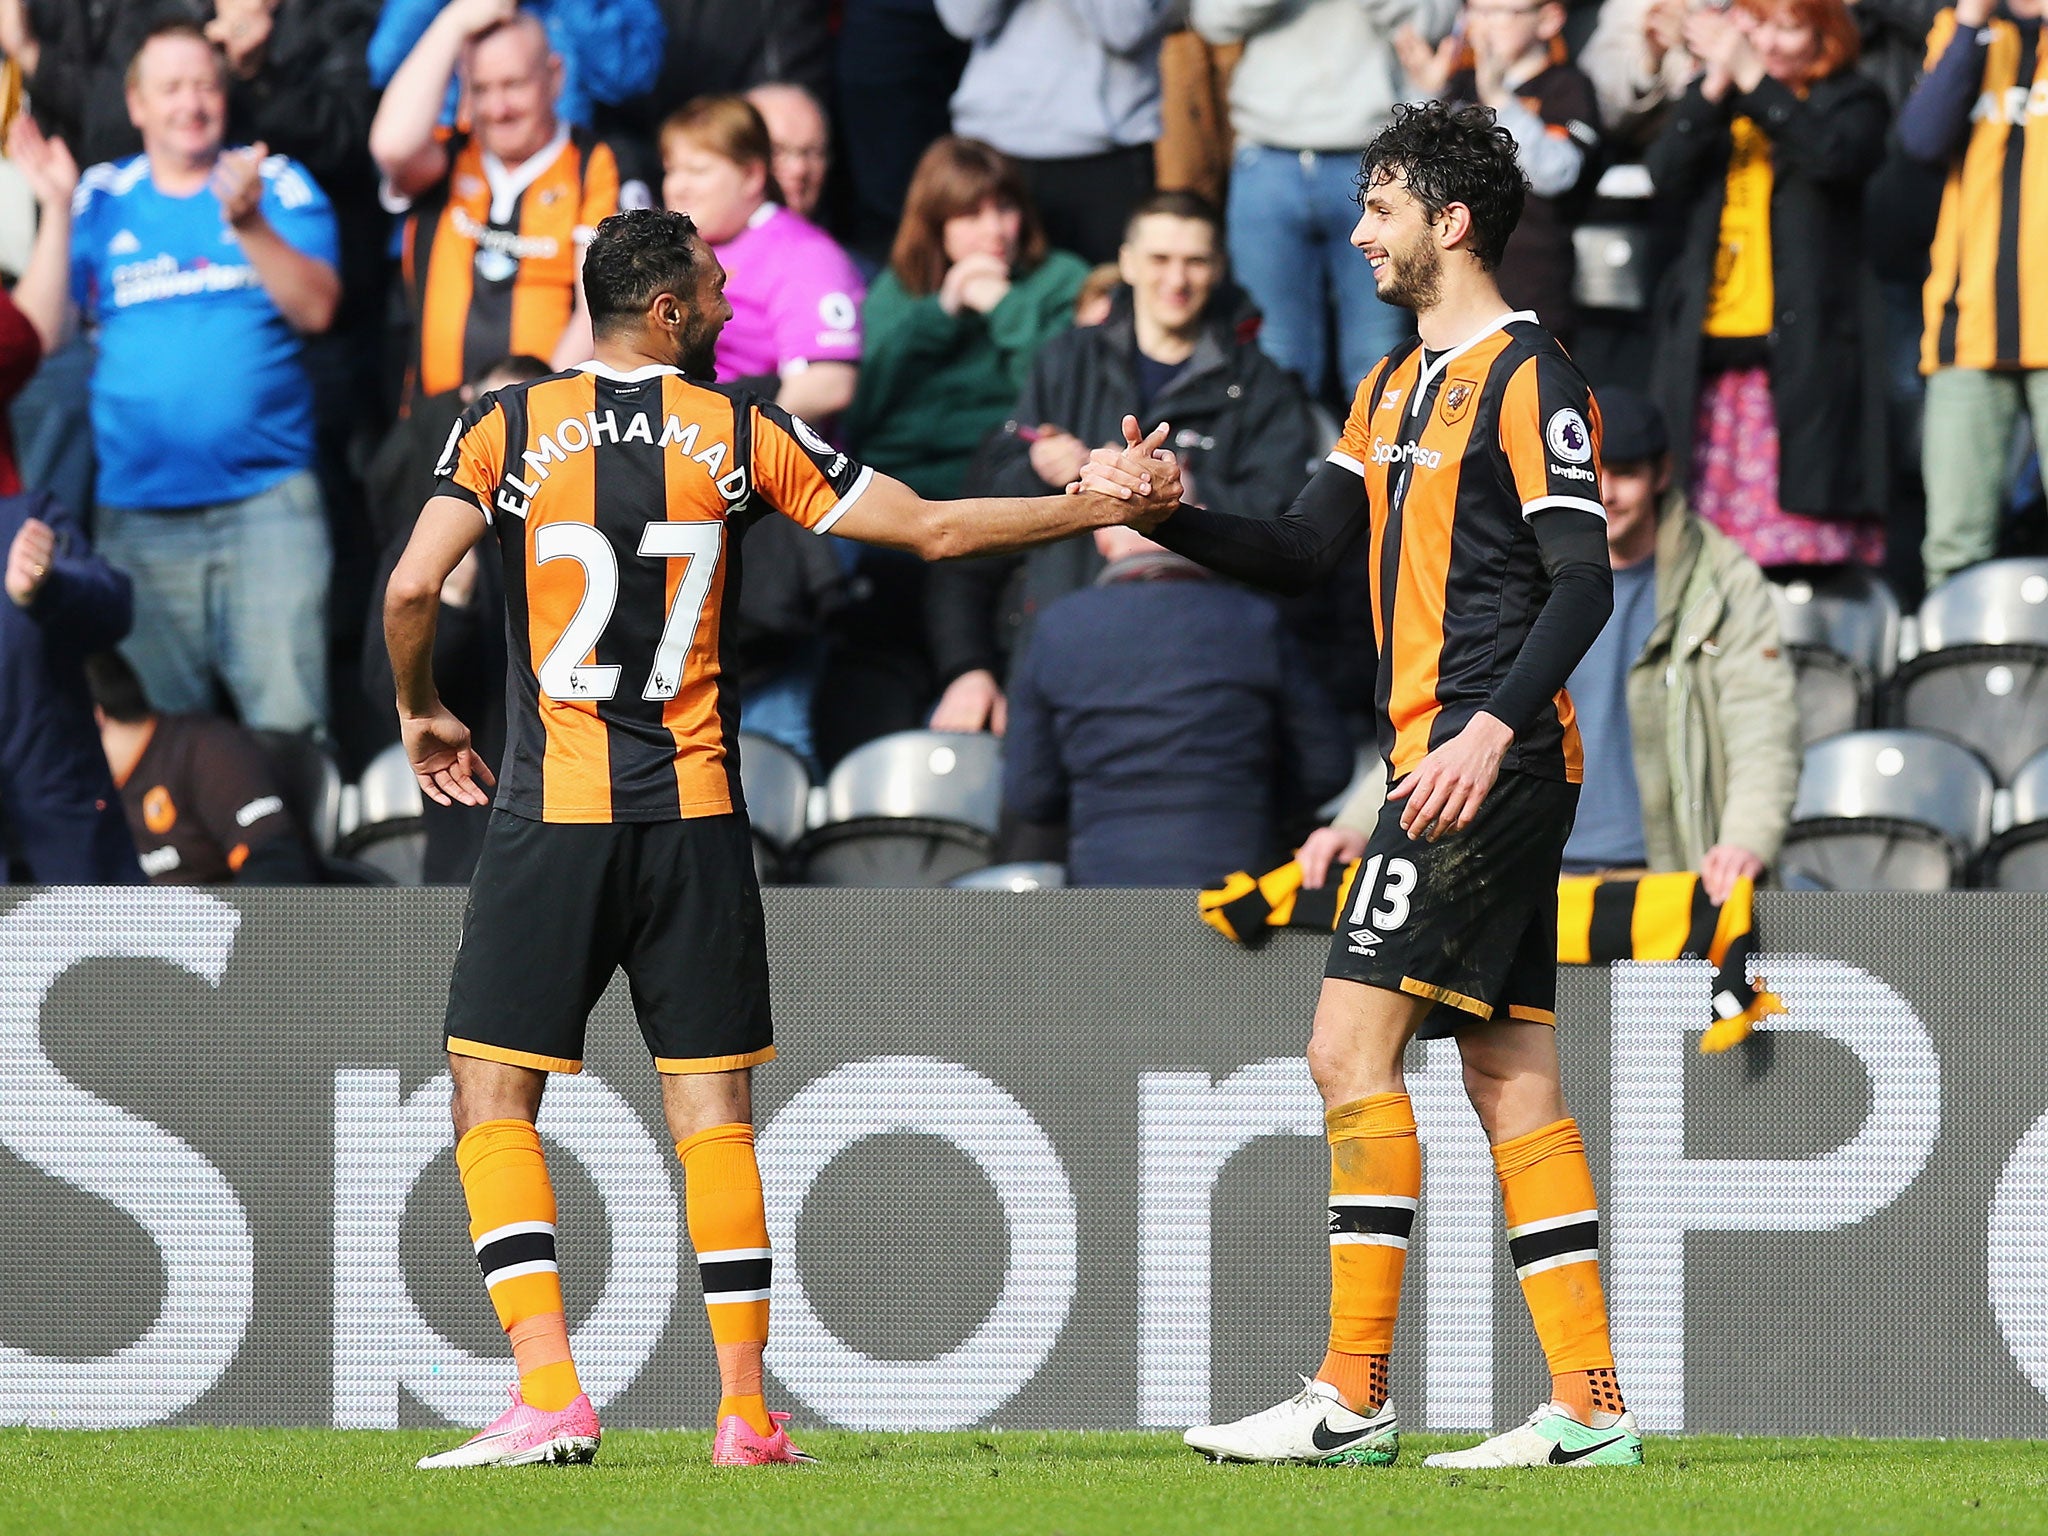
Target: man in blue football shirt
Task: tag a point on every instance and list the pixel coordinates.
(202, 268)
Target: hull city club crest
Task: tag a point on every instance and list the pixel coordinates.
(1458, 396)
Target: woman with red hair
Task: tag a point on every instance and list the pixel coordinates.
(1769, 335)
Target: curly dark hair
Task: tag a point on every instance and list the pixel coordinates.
(633, 257)
(1446, 155)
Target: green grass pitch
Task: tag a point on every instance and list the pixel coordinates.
(144, 1482)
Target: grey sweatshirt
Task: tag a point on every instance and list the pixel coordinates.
(1316, 74)
(1054, 79)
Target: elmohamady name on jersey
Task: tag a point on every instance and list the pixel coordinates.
(1457, 453)
(619, 502)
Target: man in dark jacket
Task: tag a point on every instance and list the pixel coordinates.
(60, 820)
(1178, 346)
(1176, 772)
(297, 76)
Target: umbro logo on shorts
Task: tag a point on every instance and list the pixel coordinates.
(1365, 942)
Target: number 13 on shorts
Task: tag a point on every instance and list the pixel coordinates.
(1392, 882)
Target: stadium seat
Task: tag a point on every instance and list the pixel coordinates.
(916, 809)
(1981, 677)
(778, 790)
(1013, 877)
(1887, 811)
(1842, 635)
(2018, 856)
(389, 835)
(310, 782)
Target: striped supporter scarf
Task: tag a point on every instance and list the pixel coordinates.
(1599, 921)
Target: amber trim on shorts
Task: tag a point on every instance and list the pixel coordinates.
(1436, 994)
(512, 1058)
(686, 1066)
(1532, 1015)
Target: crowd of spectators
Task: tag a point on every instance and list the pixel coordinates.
(280, 244)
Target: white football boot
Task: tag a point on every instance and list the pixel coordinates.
(1313, 1427)
(1551, 1438)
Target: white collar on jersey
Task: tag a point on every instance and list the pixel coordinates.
(1430, 371)
(509, 183)
(646, 371)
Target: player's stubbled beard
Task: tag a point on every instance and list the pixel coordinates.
(1414, 276)
(697, 350)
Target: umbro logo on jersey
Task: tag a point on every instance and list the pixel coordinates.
(1365, 942)
(1384, 452)
(1390, 399)
(124, 244)
(1573, 472)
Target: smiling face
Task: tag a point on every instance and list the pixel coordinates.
(178, 100)
(514, 80)
(1172, 266)
(718, 193)
(1789, 48)
(1396, 236)
(710, 309)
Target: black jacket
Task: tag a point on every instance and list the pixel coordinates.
(1242, 427)
(1187, 766)
(1827, 368)
(311, 99)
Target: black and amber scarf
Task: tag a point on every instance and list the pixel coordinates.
(1599, 921)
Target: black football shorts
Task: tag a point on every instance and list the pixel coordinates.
(1470, 920)
(555, 908)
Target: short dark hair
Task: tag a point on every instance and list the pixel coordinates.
(634, 256)
(518, 366)
(1447, 155)
(116, 689)
(1178, 205)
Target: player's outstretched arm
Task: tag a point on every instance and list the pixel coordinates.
(890, 513)
(1288, 553)
(437, 743)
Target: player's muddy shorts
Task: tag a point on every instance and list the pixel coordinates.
(1470, 920)
(554, 909)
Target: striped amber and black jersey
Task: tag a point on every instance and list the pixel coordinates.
(1984, 305)
(619, 502)
(1457, 453)
(491, 254)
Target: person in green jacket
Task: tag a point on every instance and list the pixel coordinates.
(970, 295)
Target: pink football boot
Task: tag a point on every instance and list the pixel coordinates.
(523, 1434)
(738, 1444)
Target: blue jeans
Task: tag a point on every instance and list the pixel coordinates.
(780, 708)
(236, 592)
(1291, 217)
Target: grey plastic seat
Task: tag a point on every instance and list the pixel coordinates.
(310, 783)
(916, 809)
(2018, 858)
(1013, 877)
(778, 790)
(390, 832)
(1982, 673)
(1841, 634)
(1887, 811)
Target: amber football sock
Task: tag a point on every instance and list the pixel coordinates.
(729, 1229)
(1554, 1240)
(512, 1224)
(1375, 1183)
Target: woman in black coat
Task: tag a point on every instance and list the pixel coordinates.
(1769, 336)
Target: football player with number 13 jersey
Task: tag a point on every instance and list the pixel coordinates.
(1470, 464)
